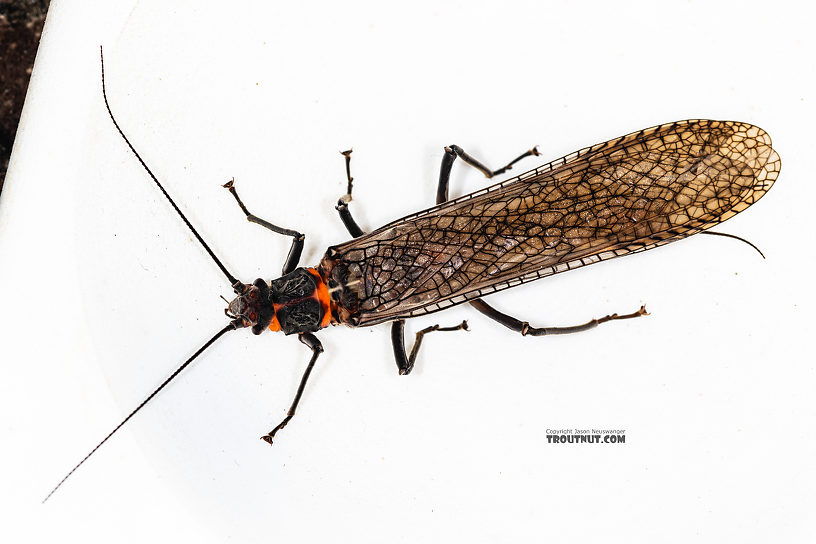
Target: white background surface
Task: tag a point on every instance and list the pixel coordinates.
(105, 292)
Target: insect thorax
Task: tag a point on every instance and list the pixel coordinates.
(300, 302)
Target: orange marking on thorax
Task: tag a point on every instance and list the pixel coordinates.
(275, 326)
(322, 294)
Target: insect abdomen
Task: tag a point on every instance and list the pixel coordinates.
(343, 288)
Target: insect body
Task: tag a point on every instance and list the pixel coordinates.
(619, 197)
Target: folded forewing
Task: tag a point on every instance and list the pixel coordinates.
(623, 196)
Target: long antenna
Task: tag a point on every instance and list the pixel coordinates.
(233, 282)
(235, 324)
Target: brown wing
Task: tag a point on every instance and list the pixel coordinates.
(619, 197)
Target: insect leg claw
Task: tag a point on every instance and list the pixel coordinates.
(641, 312)
(271, 434)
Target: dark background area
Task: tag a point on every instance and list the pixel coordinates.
(21, 23)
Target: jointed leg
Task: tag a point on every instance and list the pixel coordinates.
(342, 204)
(526, 330)
(453, 151)
(317, 348)
(508, 321)
(297, 238)
(406, 363)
